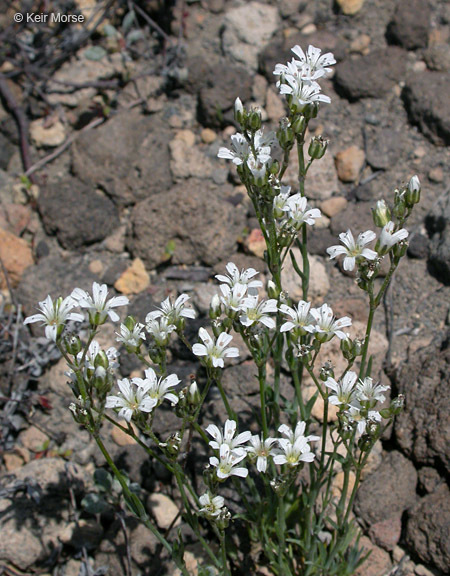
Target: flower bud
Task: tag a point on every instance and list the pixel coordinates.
(215, 309)
(274, 169)
(193, 394)
(397, 405)
(101, 360)
(399, 204)
(255, 120)
(412, 192)
(285, 135)
(73, 344)
(272, 290)
(239, 112)
(317, 147)
(381, 214)
(299, 124)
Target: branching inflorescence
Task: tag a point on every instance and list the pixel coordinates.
(302, 527)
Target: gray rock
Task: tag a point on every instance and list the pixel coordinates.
(384, 146)
(371, 76)
(428, 529)
(437, 57)
(423, 430)
(419, 246)
(387, 492)
(438, 224)
(190, 223)
(409, 26)
(426, 100)
(76, 213)
(218, 92)
(247, 31)
(116, 157)
(53, 275)
(32, 513)
(357, 217)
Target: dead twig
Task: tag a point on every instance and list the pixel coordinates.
(22, 122)
(70, 140)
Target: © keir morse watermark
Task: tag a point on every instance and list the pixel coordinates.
(48, 17)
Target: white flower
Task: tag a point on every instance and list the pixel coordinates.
(261, 450)
(302, 92)
(240, 151)
(133, 399)
(389, 238)
(326, 324)
(294, 453)
(301, 318)
(97, 306)
(280, 205)
(298, 432)
(298, 211)
(310, 66)
(353, 250)
(211, 507)
(54, 315)
(254, 311)
(313, 64)
(367, 391)
(228, 437)
(160, 329)
(244, 277)
(158, 389)
(232, 298)
(215, 351)
(359, 417)
(132, 338)
(172, 311)
(344, 390)
(258, 166)
(227, 462)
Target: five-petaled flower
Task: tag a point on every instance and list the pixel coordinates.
(214, 351)
(173, 312)
(226, 464)
(228, 436)
(344, 390)
(97, 305)
(388, 238)
(261, 450)
(326, 324)
(353, 250)
(54, 316)
(132, 400)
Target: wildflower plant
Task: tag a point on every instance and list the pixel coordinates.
(284, 467)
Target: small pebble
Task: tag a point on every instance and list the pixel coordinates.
(208, 136)
(436, 174)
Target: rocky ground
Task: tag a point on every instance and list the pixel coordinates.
(124, 187)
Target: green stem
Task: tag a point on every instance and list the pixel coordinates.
(139, 510)
(223, 550)
(367, 338)
(262, 396)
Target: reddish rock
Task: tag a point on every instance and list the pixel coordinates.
(16, 256)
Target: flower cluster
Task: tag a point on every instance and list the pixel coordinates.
(320, 322)
(358, 400)
(291, 450)
(293, 210)
(298, 78)
(143, 394)
(254, 155)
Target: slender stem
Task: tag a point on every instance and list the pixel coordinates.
(262, 396)
(367, 339)
(141, 510)
(223, 550)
